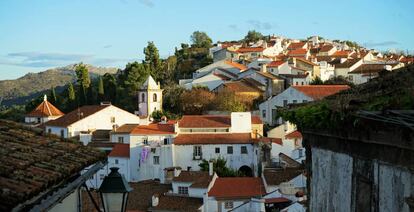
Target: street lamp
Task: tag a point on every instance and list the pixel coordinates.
(114, 192)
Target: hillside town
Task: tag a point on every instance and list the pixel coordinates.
(259, 159)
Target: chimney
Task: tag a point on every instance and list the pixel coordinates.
(210, 168)
(45, 98)
(155, 200)
(264, 68)
(164, 120)
(177, 172)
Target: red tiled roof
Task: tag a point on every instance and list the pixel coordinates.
(204, 121)
(298, 45)
(250, 49)
(268, 140)
(276, 63)
(278, 176)
(199, 179)
(276, 200)
(326, 48)
(320, 91)
(341, 53)
(293, 135)
(236, 65)
(297, 52)
(239, 86)
(75, 116)
(237, 187)
(269, 75)
(256, 120)
(222, 138)
(126, 128)
(120, 150)
(154, 129)
(45, 109)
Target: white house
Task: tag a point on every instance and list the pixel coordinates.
(88, 119)
(294, 95)
(43, 113)
(231, 192)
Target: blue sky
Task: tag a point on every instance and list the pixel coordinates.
(36, 35)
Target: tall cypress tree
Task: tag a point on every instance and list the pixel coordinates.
(84, 83)
(52, 96)
(71, 101)
(101, 90)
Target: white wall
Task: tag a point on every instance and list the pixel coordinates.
(241, 122)
(148, 170)
(184, 155)
(289, 94)
(69, 204)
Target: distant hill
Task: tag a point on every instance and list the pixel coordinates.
(20, 90)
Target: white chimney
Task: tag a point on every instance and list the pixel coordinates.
(241, 122)
(210, 168)
(155, 200)
(177, 172)
(264, 68)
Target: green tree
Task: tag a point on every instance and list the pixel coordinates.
(84, 82)
(201, 40)
(316, 81)
(152, 58)
(52, 96)
(253, 36)
(172, 98)
(71, 98)
(220, 168)
(228, 101)
(101, 91)
(110, 87)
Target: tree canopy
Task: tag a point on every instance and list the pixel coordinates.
(253, 36)
(201, 39)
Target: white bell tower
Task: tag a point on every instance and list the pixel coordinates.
(149, 97)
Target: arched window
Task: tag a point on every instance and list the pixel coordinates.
(154, 97)
(143, 97)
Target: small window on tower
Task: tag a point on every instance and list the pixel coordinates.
(154, 97)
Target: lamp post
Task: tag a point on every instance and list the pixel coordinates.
(114, 192)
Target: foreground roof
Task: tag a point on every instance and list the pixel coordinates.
(120, 150)
(237, 187)
(200, 179)
(209, 138)
(317, 92)
(45, 109)
(31, 163)
(293, 135)
(177, 203)
(76, 115)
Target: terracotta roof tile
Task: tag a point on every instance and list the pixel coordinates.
(222, 138)
(276, 63)
(204, 121)
(268, 140)
(297, 52)
(298, 45)
(326, 48)
(126, 128)
(289, 162)
(177, 203)
(268, 75)
(239, 86)
(278, 176)
(31, 163)
(74, 116)
(294, 134)
(277, 200)
(154, 129)
(320, 91)
(237, 187)
(120, 150)
(200, 179)
(249, 49)
(45, 109)
(256, 120)
(236, 65)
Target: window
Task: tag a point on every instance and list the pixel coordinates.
(229, 150)
(295, 101)
(145, 141)
(62, 133)
(228, 205)
(243, 149)
(154, 97)
(116, 161)
(264, 113)
(217, 150)
(49, 131)
(121, 140)
(101, 176)
(304, 101)
(300, 153)
(197, 152)
(182, 190)
(156, 160)
(165, 141)
(38, 120)
(297, 83)
(143, 97)
(302, 83)
(285, 102)
(112, 119)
